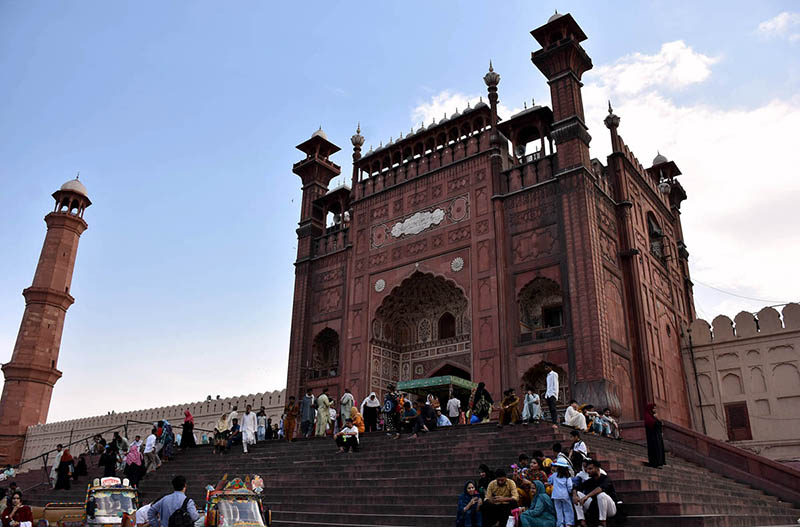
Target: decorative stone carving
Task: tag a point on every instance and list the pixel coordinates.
(380, 285)
(457, 264)
(417, 223)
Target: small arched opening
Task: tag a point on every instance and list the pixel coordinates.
(541, 312)
(324, 355)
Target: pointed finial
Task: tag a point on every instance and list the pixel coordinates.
(533, 102)
(357, 139)
(611, 120)
(480, 99)
(525, 105)
(468, 107)
(79, 175)
(445, 115)
(492, 79)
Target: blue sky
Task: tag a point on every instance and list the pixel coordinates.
(182, 118)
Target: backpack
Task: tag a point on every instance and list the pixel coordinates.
(181, 517)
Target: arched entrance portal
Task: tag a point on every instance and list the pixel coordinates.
(420, 330)
(536, 378)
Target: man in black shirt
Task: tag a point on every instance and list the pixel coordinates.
(595, 498)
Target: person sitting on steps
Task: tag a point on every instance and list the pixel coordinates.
(595, 499)
(347, 438)
(509, 409)
(501, 498)
(578, 451)
(573, 417)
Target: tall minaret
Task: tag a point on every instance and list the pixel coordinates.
(32, 373)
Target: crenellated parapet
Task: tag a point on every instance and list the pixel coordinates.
(744, 379)
(44, 437)
(746, 324)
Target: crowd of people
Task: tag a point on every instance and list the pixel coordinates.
(566, 489)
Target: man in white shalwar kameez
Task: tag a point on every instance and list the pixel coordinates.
(56, 461)
(573, 417)
(323, 413)
(249, 428)
(347, 402)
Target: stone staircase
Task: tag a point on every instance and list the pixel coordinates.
(410, 482)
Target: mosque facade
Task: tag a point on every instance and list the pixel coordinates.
(483, 248)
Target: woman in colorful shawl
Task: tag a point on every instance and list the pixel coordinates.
(541, 513)
(64, 470)
(168, 439)
(133, 466)
(358, 421)
(221, 433)
(481, 403)
(370, 409)
(469, 503)
(187, 434)
(655, 441)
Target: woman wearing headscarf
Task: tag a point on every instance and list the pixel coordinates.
(541, 513)
(481, 403)
(64, 470)
(187, 434)
(81, 469)
(369, 410)
(168, 438)
(469, 503)
(108, 460)
(656, 456)
(358, 421)
(133, 466)
(16, 514)
(221, 433)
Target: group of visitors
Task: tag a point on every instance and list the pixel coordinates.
(134, 459)
(541, 492)
(561, 491)
(244, 429)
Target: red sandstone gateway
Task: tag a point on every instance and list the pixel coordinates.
(479, 248)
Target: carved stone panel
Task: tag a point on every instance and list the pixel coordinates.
(534, 244)
(430, 218)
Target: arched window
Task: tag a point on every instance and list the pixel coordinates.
(447, 326)
(324, 355)
(656, 238)
(540, 310)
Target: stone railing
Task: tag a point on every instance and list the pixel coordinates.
(741, 465)
(534, 170)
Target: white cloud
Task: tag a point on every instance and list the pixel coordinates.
(675, 66)
(740, 220)
(785, 25)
